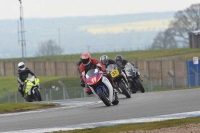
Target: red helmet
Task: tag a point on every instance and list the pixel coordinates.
(86, 58)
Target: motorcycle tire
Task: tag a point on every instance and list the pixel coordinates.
(104, 97)
(37, 95)
(125, 91)
(116, 99)
(133, 87)
(28, 99)
(139, 85)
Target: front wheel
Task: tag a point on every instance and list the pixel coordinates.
(104, 96)
(139, 85)
(37, 95)
(125, 90)
(28, 99)
(116, 101)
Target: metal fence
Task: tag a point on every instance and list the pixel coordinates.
(63, 92)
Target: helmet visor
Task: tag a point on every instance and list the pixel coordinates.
(22, 66)
(105, 62)
(119, 61)
(85, 61)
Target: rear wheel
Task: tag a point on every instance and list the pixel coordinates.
(104, 96)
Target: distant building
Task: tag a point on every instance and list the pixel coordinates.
(194, 39)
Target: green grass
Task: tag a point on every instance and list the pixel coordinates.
(139, 126)
(72, 83)
(10, 82)
(18, 107)
(129, 55)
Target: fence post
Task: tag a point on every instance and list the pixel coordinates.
(173, 79)
(8, 93)
(4, 69)
(44, 92)
(50, 93)
(196, 76)
(65, 94)
(149, 83)
(84, 93)
(16, 97)
(47, 97)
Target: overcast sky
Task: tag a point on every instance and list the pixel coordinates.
(9, 9)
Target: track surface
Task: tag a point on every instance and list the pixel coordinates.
(140, 105)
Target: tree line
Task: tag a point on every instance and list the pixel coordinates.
(176, 34)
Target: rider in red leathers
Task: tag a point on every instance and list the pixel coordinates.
(87, 64)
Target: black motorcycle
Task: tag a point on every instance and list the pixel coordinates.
(120, 79)
(133, 75)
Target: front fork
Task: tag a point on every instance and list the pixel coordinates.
(110, 89)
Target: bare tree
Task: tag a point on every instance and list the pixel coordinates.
(48, 48)
(164, 40)
(184, 22)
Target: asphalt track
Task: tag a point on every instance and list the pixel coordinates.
(91, 110)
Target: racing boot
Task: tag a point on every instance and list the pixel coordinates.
(22, 93)
(88, 91)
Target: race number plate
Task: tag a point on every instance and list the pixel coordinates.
(114, 73)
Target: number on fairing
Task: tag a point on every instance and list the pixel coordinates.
(114, 73)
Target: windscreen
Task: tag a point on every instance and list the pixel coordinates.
(90, 73)
(110, 67)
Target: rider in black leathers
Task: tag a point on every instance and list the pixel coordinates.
(22, 74)
(122, 62)
(106, 61)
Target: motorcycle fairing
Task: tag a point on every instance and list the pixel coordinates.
(101, 87)
(93, 78)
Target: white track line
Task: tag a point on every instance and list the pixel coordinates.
(112, 123)
(70, 105)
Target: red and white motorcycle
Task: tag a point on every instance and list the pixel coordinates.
(101, 87)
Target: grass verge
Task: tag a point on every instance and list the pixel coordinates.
(138, 126)
(19, 107)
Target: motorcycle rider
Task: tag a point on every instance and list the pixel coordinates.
(87, 64)
(122, 62)
(87, 89)
(106, 61)
(22, 74)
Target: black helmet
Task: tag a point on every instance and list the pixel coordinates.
(119, 59)
(104, 59)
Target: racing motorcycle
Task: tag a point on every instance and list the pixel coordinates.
(101, 87)
(133, 75)
(32, 89)
(120, 79)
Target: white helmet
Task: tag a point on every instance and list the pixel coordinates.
(21, 66)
